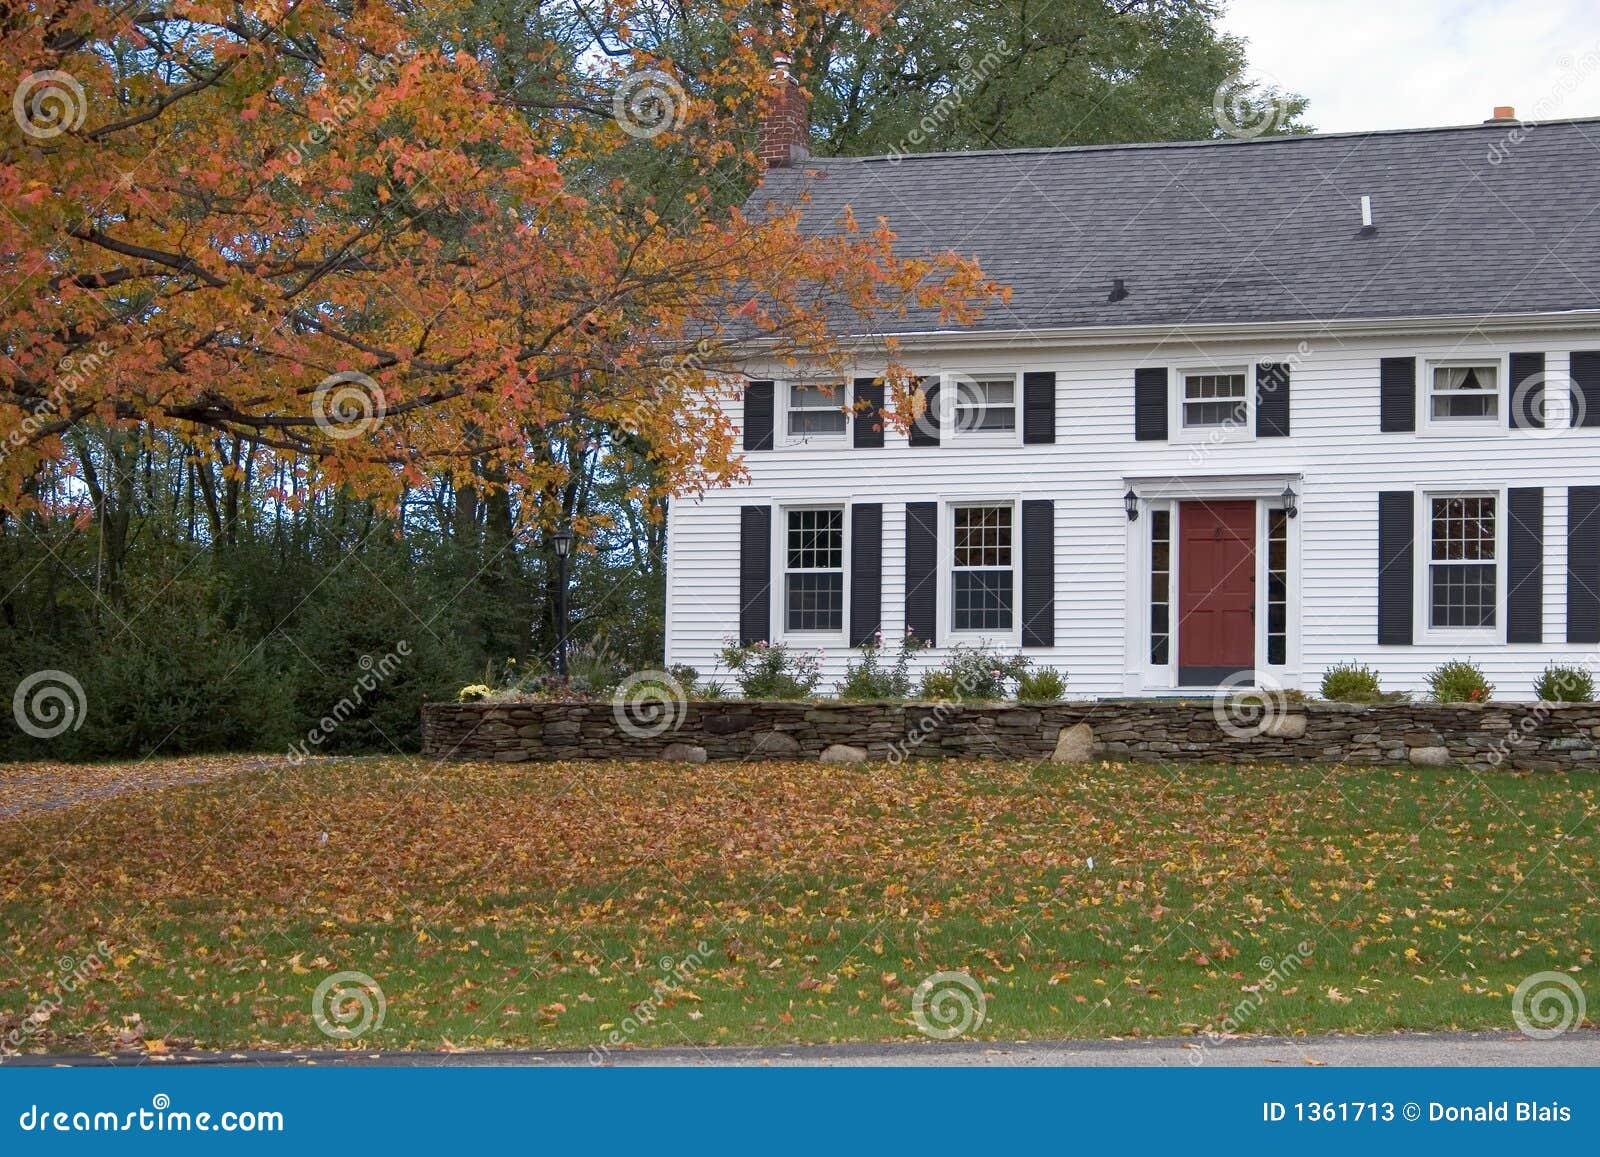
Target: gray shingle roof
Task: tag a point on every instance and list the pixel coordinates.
(1257, 230)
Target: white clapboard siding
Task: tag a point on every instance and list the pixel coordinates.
(1335, 446)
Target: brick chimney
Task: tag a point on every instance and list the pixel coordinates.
(1502, 113)
(785, 121)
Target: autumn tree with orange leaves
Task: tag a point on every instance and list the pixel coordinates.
(387, 244)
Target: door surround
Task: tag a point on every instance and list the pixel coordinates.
(1143, 674)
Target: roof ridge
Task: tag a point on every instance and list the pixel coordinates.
(1263, 139)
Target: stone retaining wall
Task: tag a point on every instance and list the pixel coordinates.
(1536, 736)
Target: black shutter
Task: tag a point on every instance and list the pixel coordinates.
(866, 572)
(755, 574)
(1038, 408)
(1397, 396)
(868, 404)
(925, 430)
(922, 569)
(1583, 564)
(1150, 404)
(1586, 387)
(1525, 565)
(1397, 516)
(1272, 400)
(1527, 393)
(1038, 573)
(759, 398)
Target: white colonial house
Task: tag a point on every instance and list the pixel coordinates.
(1254, 408)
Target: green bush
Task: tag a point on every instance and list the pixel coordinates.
(771, 671)
(1565, 684)
(974, 673)
(1351, 683)
(1459, 681)
(1042, 686)
(171, 678)
(871, 680)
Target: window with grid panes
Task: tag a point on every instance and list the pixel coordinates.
(1214, 400)
(813, 571)
(1160, 587)
(982, 575)
(1462, 578)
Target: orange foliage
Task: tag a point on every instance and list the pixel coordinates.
(341, 236)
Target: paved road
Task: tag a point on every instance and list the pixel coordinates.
(1581, 1047)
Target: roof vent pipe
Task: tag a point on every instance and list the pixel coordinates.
(1119, 289)
(1367, 227)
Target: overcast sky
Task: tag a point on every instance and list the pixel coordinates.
(1391, 64)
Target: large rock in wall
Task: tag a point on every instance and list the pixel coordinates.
(1535, 736)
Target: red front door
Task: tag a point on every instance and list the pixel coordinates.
(1216, 591)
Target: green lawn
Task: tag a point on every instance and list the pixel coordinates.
(626, 905)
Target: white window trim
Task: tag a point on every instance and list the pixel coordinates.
(948, 636)
(780, 572)
(1422, 551)
(949, 435)
(843, 396)
(1179, 434)
(1428, 426)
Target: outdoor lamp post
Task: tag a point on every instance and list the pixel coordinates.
(562, 540)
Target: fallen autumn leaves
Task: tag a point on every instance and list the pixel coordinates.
(600, 906)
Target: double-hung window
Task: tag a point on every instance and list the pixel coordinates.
(1464, 395)
(982, 573)
(1462, 568)
(1215, 400)
(816, 412)
(813, 570)
(985, 405)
